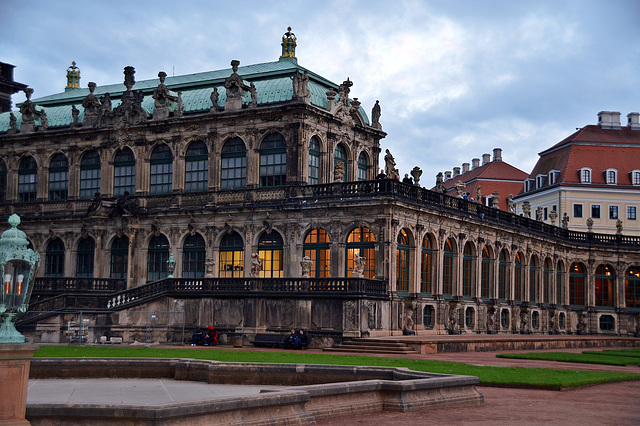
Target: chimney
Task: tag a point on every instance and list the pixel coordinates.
(633, 120)
(486, 158)
(609, 120)
(475, 163)
(447, 175)
(456, 171)
(497, 154)
(465, 167)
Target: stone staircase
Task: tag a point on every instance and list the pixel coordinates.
(372, 346)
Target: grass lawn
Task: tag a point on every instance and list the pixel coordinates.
(635, 353)
(488, 375)
(619, 357)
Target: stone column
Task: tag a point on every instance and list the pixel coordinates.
(15, 361)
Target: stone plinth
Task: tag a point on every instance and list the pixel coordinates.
(15, 360)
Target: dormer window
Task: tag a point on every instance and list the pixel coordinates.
(553, 176)
(585, 175)
(540, 180)
(635, 177)
(611, 176)
(528, 183)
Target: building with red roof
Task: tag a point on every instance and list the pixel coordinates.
(592, 176)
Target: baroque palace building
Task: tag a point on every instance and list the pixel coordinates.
(246, 198)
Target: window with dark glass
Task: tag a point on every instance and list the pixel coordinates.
(27, 180)
(611, 177)
(157, 258)
(577, 210)
(631, 212)
(3, 181)
(504, 318)
(485, 273)
(231, 256)
(233, 165)
(427, 317)
(635, 178)
(426, 275)
(607, 323)
(467, 271)
(613, 212)
(273, 161)
(604, 286)
(535, 320)
(270, 250)
(595, 211)
(54, 259)
(316, 247)
(363, 166)
(193, 256)
(314, 161)
(470, 317)
(447, 269)
(502, 275)
(84, 264)
(196, 168)
(560, 292)
(546, 282)
(161, 171)
(124, 173)
(58, 178)
(89, 175)
(533, 280)
(562, 321)
(577, 294)
(340, 156)
(632, 288)
(402, 262)
(362, 242)
(119, 258)
(518, 279)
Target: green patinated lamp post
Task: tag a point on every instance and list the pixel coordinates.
(171, 266)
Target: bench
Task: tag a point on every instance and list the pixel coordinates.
(268, 340)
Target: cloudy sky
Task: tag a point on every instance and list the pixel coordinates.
(455, 79)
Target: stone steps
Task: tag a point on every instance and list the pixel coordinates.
(372, 346)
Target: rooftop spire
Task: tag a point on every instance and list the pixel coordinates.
(288, 45)
(73, 77)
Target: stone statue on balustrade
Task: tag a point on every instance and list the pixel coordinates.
(553, 215)
(338, 172)
(526, 209)
(256, 265)
(359, 263)
(416, 172)
(511, 207)
(215, 97)
(460, 188)
(306, 263)
(390, 166)
(589, 225)
(618, 227)
(495, 199)
(565, 221)
(440, 183)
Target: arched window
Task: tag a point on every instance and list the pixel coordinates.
(54, 259)
(27, 180)
(231, 256)
(316, 246)
(161, 171)
(363, 166)
(124, 173)
(402, 262)
(605, 278)
(362, 241)
(119, 258)
(577, 294)
(314, 161)
(340, 156)
(467, 271)
(533, 280)
(157, 258)
(193, 255)
(273, 161)
(518, 279)
(470, 317)
(270, 251)
(3, 181)
(485, 274)
(546, 282)
(58, 178)
(503, 264)
(560, 284)
(89, 174)
(447, 269)
(233, 165)
(196, 167)
(426, 275)
(84, 264)
(632, 288)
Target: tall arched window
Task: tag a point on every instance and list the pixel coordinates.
(577, 294)
(27, 180)
(546, 281)
(632, 288)
(231, 256)
(605, 278)
(314, 161)
(426, 275)
(233, 165)
(161, 171)
(316, 246)
(84, 264)
(467, 270)
(402, 262)
(560, 284)
(363, 166)
(518, 279)
(119, 258)
(447, 269)
(54, 259)
(3, 181)
(124, 173)
(340, 156)
(196, 167)
(485, 274)
(193, 255)
(273, 161)
(157, 258)
(503, 264)
(270, 249)
(58, 178)
(89, 174)
(533, 279)
(362, 241)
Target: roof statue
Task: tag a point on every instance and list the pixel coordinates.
(91, 104)
(162, 99)
(73, 77)
(234, 85)
(375, 116)
(28, 110)
(288, 44)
